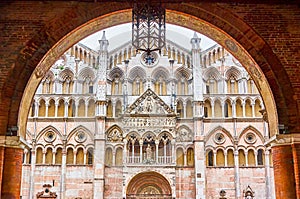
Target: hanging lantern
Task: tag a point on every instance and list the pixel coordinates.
(148, 27)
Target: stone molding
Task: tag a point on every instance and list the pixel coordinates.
(284, 139)
(14, 142)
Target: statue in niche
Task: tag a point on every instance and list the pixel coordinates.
(148, 152)
(149, 105)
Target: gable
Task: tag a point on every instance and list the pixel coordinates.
(149, 103)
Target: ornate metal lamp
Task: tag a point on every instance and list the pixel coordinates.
(148, 27)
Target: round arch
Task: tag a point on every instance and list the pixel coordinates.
(196, 17)
(148, 183)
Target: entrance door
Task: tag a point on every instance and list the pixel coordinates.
(149, 185)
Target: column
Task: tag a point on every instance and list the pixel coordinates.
(185, 158)
(114, 158)
(86, 108)
(165, 152)
(225, 157)
(63, 171)
(76, 108)
(141, 150)
(99, 161)
(132, 151)
(267, 174)
(74, 157)
(246, 158)
(236, 174)
(173, 151)
(156, 150)
(255, 156)
(66, 109)
(44, 157)
(296, 160)
(32, 169)
(11, 155)
(200, 167)
(222, 106)
(184, 112)
(125, 152)
(56, 108)
(253, 109)
(233, 106)
(212, 109)
(284, 175)
(244, 106)
(53, 157)
(215, 158)
(84, 157)
(113, 103)
(47, 107)
(36, 110)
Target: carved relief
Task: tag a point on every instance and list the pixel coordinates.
(184, 134)
(149, 103)
(115, 135)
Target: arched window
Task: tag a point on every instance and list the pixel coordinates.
(91, 108)
(119, 156)
(42, 108)
(81, 108)
(251, 158)
(118, 109)
(179, 157)
(218, 109)
(61, 108)
(210, 158)
(49, 156)
(39, 156)
(79, 156)
(189, 109)
(230, 158)
(260, 157)
(70, 156)
(51, 108)
(58, 156)
(220, 158)
(109, 109)
(180, 109)
(242, 159)
(108, 157)
(90, 156)
(190, 157)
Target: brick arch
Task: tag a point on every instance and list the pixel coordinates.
(54, 38)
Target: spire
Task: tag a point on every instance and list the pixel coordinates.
(103, 43)
(195, 41)
(195, 36)
(103, 36)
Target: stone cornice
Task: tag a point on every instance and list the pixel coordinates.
(14, 142)
(284, 139)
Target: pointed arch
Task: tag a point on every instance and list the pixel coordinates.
(137, 71)
(116, 72)
(253, 129)
(223, 130)
(160, 72)
(49, 128)
(78, 129)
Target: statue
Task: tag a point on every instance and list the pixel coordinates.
(149, 105)
(148, 152)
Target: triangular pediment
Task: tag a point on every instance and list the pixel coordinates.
(149, 103)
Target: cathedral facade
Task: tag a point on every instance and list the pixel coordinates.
(182, 123)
